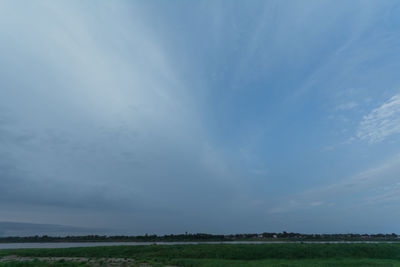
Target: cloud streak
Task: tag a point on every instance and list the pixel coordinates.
(382, 122)
(369, 187)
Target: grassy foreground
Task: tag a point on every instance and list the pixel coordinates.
(228, 255)
(233, 263)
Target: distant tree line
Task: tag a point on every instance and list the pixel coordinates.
(187, 237)
(285, 235)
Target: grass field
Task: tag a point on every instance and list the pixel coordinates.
(225, 255)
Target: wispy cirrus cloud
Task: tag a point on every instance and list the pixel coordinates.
(370, 187)
(382, 122)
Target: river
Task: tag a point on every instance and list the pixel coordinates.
(103, 244)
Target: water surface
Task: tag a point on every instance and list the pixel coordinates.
(103, 244)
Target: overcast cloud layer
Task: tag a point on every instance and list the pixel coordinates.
(201, 116)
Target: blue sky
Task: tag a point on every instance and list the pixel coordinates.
(201, 116)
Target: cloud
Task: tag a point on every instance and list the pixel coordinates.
(347, 106)
(105, 125)
(382, 122)
(128, 113)
(369, 187)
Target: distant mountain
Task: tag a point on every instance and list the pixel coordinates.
(32, 229)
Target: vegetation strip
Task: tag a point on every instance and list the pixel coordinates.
(232, 252)
(188, 237)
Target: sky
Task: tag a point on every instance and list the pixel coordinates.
(214, 116)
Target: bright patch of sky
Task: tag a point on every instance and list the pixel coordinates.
(201, 116)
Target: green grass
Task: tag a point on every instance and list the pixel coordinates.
(287, 263)
(237, 263)
(233, 255)
(226, 251)
(41, 264)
